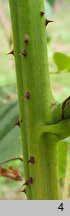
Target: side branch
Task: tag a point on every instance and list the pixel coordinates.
(60, 112)
(59, 121)
(61, 130)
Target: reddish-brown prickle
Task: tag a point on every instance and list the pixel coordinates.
(26, 39)
(31, 160)
(27, 95)
(18, 123)
(29, 181)
(24, 53)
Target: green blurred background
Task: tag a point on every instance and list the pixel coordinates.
(58, 37)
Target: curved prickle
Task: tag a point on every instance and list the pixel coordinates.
(48, 21)
(31, 160)
(29, 181)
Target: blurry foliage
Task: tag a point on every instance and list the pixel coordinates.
(10, 141)
(62, 61)
(51, 2)
(11, 167)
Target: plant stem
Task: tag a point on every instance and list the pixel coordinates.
(44, 171)
(35, 98)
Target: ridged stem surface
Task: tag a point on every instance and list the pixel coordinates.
(35, 98)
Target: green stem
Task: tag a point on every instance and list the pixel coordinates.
(52, 166)
(34, 110)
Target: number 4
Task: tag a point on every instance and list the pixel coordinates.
(61, 207)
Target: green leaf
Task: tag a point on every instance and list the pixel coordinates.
(62, 61)
(10, 146)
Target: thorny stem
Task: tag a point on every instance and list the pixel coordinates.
(35, 99)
